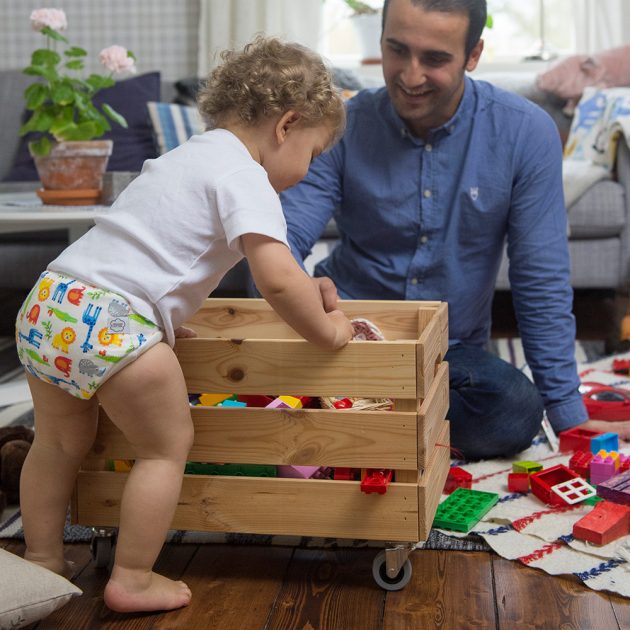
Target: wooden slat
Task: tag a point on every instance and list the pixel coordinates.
(432, 347)
(250, 318)
(255, 366)
(267, 506)
(560, 602)
(329, 589)
(451, 589)
(432, 482)
(408, 475)
(432, 411)
(302, 437)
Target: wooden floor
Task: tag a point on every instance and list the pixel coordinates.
(251, 587)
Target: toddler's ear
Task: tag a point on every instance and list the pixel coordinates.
(285, 124)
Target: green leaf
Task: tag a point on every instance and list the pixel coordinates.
(114, 115)
(43, 57)
(35, 95)
(53, 34)
(41, 147)
(48, 72)
(98, 82)
(82, 131)
(130, 54)
(62, 94)
(75, 64)
(41, 120)
(75, 51)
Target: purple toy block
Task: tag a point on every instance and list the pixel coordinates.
(606, 442)
(616, 488)
(602, 468)
(297, 472)
(277, 404)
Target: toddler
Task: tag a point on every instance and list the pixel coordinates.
(100, 324)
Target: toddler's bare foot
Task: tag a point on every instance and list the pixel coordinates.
(63, 567)
(131, 592)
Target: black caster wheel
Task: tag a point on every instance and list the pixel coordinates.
(102, 548)
(379, 572)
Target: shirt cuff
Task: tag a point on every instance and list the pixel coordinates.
(567, 415)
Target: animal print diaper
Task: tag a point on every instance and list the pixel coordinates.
(76, 336)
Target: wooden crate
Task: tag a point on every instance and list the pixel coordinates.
(244, 348)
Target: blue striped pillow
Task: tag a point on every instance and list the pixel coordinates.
(173, 124)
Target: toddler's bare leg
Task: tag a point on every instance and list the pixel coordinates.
(65, 427)
(148, 402)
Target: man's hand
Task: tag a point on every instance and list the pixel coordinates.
(622, 427)
(184, 332)
(328, 293)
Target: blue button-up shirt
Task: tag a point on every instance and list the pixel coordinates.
(428, 219)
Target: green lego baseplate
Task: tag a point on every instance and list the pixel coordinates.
(463, 509)
(234, 470)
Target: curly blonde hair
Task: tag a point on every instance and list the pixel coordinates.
(269, 77)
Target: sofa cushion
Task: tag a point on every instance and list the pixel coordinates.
(132, 146)
(599, 213)
(174, 124)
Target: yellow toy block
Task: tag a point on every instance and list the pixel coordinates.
(292, 401)
(210, 400)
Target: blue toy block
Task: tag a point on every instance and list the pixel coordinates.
(232, 403)
(463, 509)
(605, 441)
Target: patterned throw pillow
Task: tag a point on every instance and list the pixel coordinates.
(173, 124)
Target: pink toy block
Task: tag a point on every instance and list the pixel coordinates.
(602, 468)
(542, 481)
(297, 472)
(580, 463)
(605, 523)
(278, 403)
(616, 488)
(624, 462)
(457, 478)
(518, 482)
(577, 439)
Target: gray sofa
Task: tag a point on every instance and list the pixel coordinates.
(599, 220)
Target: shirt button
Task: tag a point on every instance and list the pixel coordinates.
(414, 280)
(427, 193)
(428, 147)
(403, 133)
(424, 238)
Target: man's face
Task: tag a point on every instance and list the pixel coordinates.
(424, 63)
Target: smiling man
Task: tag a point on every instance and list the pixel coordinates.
(435, 173)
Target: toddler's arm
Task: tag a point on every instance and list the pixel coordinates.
(292, 294)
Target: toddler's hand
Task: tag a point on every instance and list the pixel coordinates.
(183, 332)
(343, 329)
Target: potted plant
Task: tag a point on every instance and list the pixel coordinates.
(67, 155)
(367, 24)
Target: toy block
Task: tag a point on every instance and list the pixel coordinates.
(574, 490)
(606, 442)
(577, 439)
(616, 488)
(254, 400)
(526, 467)
(277, 403)
(307, 401)
(120, 465)
(624, 462)
(233, 470)
(376, 480)
(592, 500)
(210, 400)
(542, 481)
(605, 523)
(232, 403)
(342, 403)
(580, 463)
(291, 401)
(342, 473)
(463, 509)
(518, 482)
(297, 472)
(602, 468)
(457, 478)
(621, 366)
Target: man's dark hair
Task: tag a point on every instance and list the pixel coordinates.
(476, 10)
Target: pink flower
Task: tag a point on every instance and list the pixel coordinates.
(116, 59)
(53, 18)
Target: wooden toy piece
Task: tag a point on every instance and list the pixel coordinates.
(291, 401)
(605, 523)
(606, 442)
(232, 403)
(376, 480)
(232, 470)
(616, 488)
(574, 490)
(518, 482)
(457, 478)
(463, 509)
(254, 400)
(592, 500)
(621, 366)
(210, 400)
(526, 467)
(121, 465)
(297, 472)
(577, 439)
(342, 473)
(580, 463)
(624, 462)
(277, 403)
(342, 403)
(542, 481)
(602, 468)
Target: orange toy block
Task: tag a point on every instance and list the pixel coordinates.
(605, 523)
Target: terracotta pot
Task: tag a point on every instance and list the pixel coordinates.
(74, 165)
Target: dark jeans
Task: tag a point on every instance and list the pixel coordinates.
(494, 409)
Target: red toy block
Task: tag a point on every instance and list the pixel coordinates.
(605, 523)
(343, 474)
(577, 439)
(254, 400)
(621, 366)
(457, 478)
(376, 480)
(542, 481)
(580, 463)
(518, 482)
(616, 488)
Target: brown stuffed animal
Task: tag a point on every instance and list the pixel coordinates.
(14, 445)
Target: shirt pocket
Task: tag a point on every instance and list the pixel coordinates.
(484, 207)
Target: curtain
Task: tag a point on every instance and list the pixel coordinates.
(232, 23)
(601, 24)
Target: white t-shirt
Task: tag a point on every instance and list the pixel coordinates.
(175, 231)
